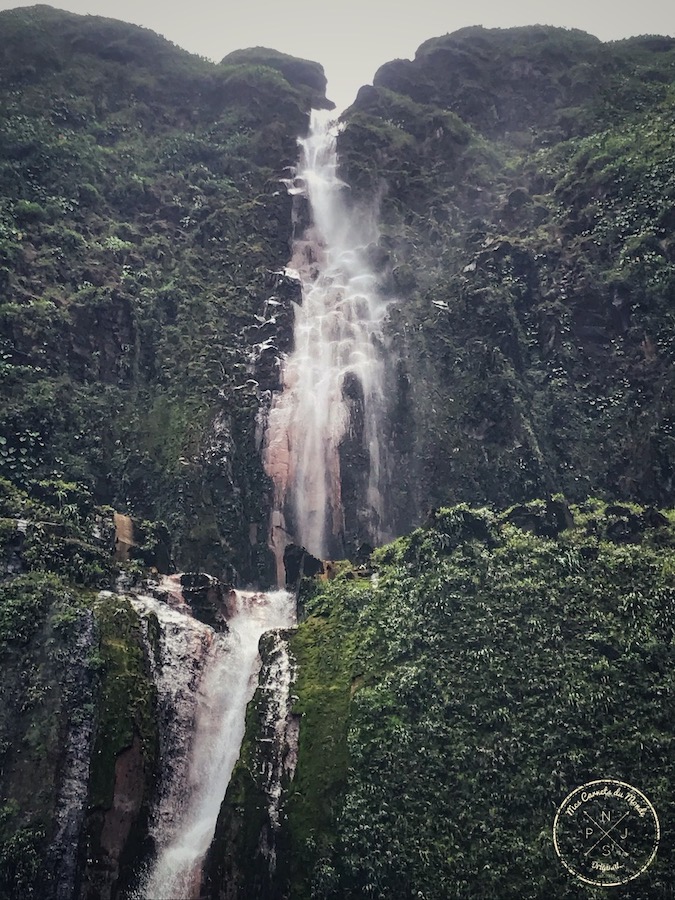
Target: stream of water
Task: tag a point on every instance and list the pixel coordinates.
(205, 681)
(336, 365)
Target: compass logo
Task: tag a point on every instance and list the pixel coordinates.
(606, 832)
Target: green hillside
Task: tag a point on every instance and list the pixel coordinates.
(140, 223)
(495, 664)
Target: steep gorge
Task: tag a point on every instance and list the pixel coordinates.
(500, 333)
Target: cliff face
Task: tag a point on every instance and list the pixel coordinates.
(525, 186)
(141, 221)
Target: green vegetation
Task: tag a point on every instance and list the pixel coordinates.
(139, 223)
(485, 673)
(41, 618)
(323, 649)
(126, 701)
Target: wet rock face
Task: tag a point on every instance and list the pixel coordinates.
(354, 471)
(298, 563)
(267, 366)
(278, 737)
(127, 802)
(208, 598)
(286, 292)
(249, 855)
(204, 682)
(272, 336)
(72, 797)
(177, 648)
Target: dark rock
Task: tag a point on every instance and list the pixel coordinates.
(378, 257)
(559, 512)
(72, 799)
(626, 528)
(361, 522)
(267, 368)
(403, 77)
(298, 563)
(208, 598)
(363, 552)
(616, 510)
(279, 309)
(127, 802)
(624, 525)
(517, 198)
(255, 334)
(652, 518)
(588, 553)
(547, 520)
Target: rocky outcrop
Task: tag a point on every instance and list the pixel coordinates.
(248, 857)
(547, 519)
(510, 80)
(209, 600)
(303, 74)
(124, 537)
(177, 647)
(63, 854)
(298, 563)
(119, 820)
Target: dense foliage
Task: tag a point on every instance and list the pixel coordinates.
(490, 666)
(140, 222)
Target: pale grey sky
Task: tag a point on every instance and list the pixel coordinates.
(352, 38)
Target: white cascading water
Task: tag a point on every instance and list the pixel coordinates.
(338, 335)
(205, 680)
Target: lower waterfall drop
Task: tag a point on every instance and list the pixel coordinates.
(204, 724)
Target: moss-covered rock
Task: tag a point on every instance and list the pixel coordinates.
(448, 706)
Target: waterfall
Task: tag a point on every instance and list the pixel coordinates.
(333, 381)
(323, 453)
(204, 680)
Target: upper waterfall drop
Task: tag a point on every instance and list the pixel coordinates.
(333, 394)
